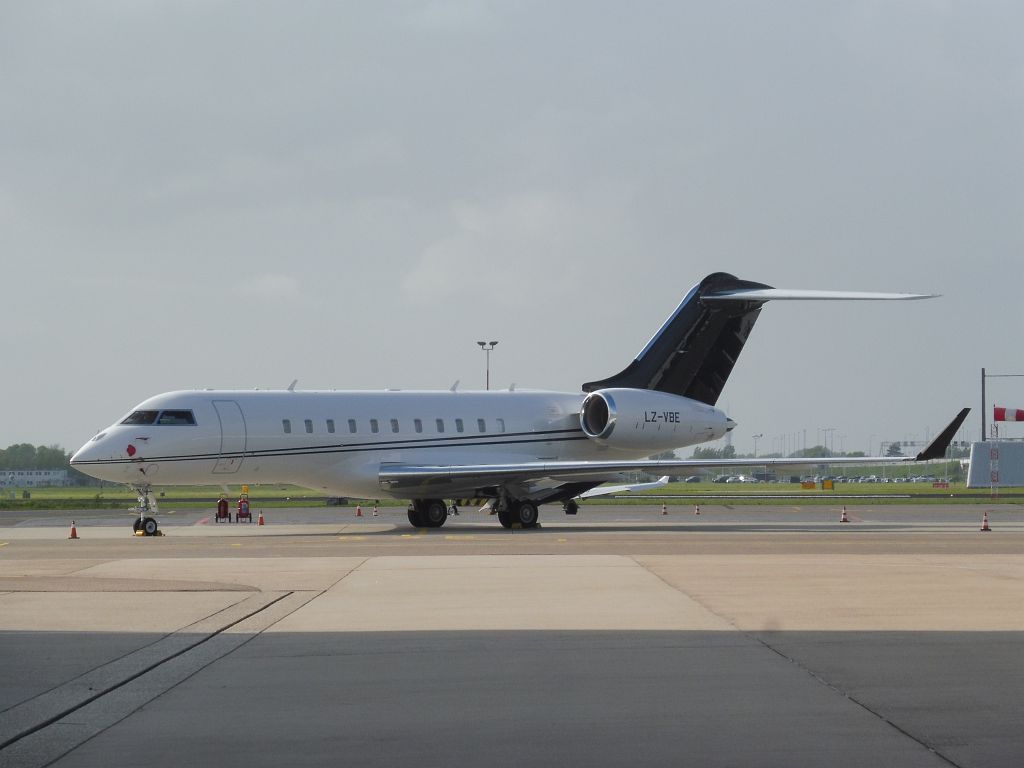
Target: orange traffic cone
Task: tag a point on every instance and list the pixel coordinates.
(844, 518)
(359, 510)
(74, 531)
(260, 520)
(696, 509)
(664, 509)
(984, 523)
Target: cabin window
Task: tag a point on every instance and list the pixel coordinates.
(374, 426)
(330, 426)
(177, 417)
(440, 425)
(287, 424)
(352, 426)
(481, 425)
(417, 424)
(137, 418)
(458, 426)
(501, 425)
(394, 425)
(309, 426)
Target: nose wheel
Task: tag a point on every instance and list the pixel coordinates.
(145, 524)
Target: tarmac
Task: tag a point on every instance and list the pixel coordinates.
(754, 636)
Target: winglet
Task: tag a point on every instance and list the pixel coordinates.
(936, 449)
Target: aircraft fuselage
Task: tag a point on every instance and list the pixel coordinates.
(338, 442)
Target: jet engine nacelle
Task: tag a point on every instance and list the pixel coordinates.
(636, 419)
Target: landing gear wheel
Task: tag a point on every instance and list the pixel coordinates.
(137, 525)
(434, 513)
(415, 520)
(525, 513)
(505, 518)
(149, 526)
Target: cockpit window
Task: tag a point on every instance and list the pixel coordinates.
(177, 417)
(141, 417)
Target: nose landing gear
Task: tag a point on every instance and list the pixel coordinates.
(145, 524)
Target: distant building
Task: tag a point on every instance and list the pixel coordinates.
(33, 478)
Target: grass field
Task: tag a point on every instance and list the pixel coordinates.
(197, 497)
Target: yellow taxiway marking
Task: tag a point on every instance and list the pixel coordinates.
(351, 538)
(236, 545)
(562, 541)
(406, 535)
(460, 537)
(4, 543)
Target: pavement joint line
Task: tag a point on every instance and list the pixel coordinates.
(853, 699)
(806, 670)
(18, 719)
(46, 746)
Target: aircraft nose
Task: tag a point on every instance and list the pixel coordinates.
(81, 455)
(89, 452)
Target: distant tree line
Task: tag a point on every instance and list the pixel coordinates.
(23, 456)
(725, 452)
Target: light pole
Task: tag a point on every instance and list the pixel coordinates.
(487, 348)
(756, 438)
(826, 431)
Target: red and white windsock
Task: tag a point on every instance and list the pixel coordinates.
(1007, 414)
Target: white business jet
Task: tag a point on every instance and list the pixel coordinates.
(520, 449)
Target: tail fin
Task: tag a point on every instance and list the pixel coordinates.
(695, 350)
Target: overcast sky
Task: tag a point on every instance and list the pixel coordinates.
(238, 194)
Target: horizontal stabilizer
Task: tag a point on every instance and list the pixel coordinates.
(790, 294)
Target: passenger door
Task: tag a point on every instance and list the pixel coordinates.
(232, 437)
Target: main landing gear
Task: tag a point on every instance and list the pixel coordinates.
(145, 524)
(512, 513)
(428, 513)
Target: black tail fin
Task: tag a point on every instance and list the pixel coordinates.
(695, 350)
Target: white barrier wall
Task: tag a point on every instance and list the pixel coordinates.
(1011, 464)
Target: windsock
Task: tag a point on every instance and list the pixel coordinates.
(1007, 414)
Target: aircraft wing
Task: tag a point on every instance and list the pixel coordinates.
(466, 479)
(606, 490)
